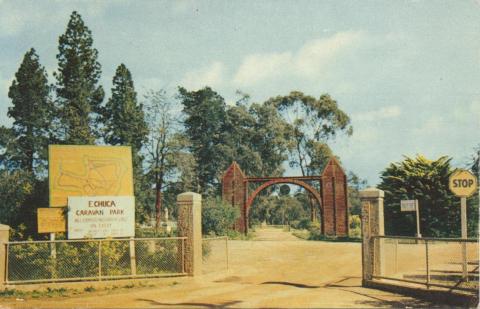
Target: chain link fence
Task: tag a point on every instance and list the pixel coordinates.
(449, 263)
(72, 260)
(215, 254)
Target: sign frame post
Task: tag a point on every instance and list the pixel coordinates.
(412, 205)
(417, 211)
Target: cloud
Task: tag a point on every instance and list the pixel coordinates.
(386, 112)
(212, 75)
(307, 62)
(16, 17)
(433, 125)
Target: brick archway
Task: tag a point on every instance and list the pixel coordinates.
(332, 197)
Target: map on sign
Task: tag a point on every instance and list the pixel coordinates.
(88, 171)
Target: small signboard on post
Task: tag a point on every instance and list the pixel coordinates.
(51, 220)
(412, 205)
(408, 205)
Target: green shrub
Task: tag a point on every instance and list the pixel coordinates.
(355, 229)
(218, 217)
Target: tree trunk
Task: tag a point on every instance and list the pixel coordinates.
(158, 205)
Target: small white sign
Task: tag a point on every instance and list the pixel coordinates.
(101, 216)
(408, 205)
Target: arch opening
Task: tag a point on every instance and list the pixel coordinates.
(309, 190)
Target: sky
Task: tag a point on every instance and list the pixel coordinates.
(406, 72)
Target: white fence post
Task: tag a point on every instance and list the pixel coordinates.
(4, 236)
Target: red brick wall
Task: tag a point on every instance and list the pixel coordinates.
(334, 200)
(233, 187)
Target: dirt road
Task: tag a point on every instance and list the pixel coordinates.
(268, 273)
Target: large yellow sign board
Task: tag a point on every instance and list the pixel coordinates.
(462, 183)
(88, 171)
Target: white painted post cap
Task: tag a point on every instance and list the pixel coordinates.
(371, 193)
(4, 227)
(189, 197)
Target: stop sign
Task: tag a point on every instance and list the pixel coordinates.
(462, 183)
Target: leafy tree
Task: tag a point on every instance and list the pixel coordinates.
(475, 162)
(15, 187)
(218, 217)
(238, 139)
(270, 139)
(26, 142)
(355, 184)
(256, 137)
(124, 124)
(79, 97)
(313, 122)
(427, 181)
(205, 123)
(164, 144)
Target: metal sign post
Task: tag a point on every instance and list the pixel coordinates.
(463, 184)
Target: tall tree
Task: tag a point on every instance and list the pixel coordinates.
(271, 135)
(313, 122)
(26, 142)
(164, 145)
(78, 95)
(123, 117)
(205, 124)
(124, 124)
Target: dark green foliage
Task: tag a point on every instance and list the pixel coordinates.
(218, 217)
(15, 187)
(270, 139)
(26, 142)
(257, 138)
(427, 181)
(205, 125)
(123, 117)
(124, 124)
(79, 97)
(279, 210)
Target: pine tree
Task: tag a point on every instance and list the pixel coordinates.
(78, 95)
(32, 109)
(124, 124)
(124, 118)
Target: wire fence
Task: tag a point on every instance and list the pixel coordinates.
(215, 254)
(449, 263)
(73, 260)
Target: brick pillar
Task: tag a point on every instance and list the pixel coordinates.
(372, 225)
(190, 226)
(4, 235)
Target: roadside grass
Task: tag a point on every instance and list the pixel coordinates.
(315, 236)
(9, 293)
